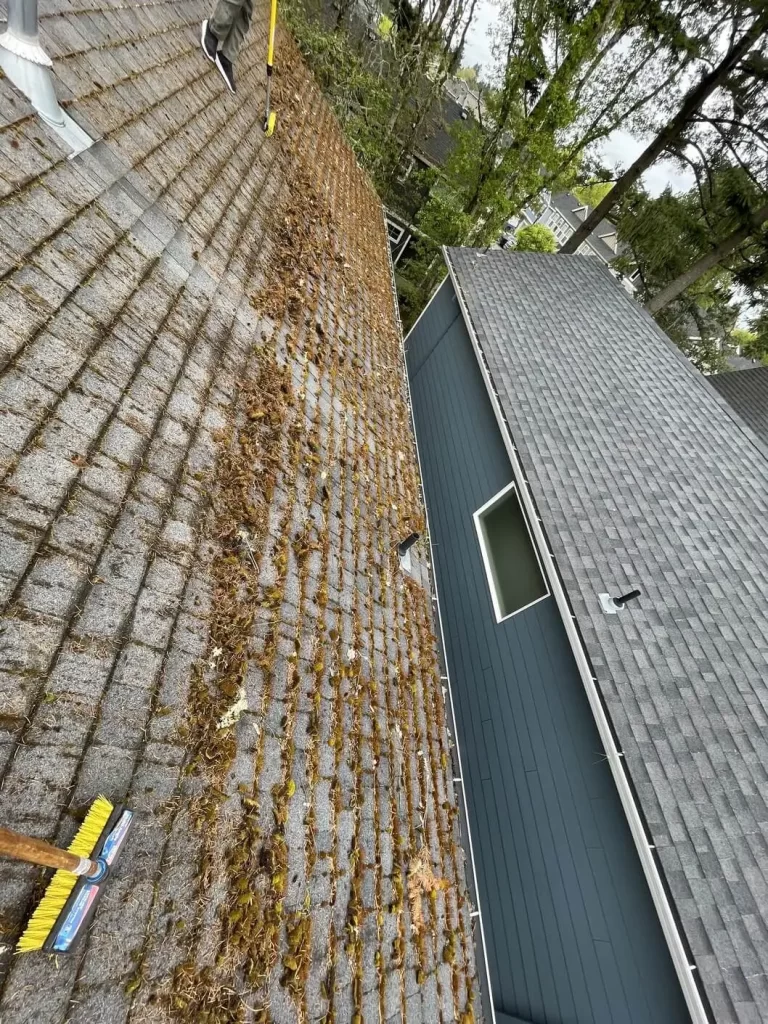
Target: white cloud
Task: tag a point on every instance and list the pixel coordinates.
(477, 49)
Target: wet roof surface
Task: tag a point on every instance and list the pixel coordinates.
(206, 467)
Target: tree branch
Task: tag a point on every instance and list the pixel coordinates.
(747, 170)
(669, 134)
(709, 261)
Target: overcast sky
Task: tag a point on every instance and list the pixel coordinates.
(619, 148)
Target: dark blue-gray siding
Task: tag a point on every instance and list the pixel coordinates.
(571, 930)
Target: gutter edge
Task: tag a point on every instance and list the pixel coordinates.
(441, 634)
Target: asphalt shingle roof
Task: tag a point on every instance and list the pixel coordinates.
(747, 392)
(206, 465)
(740, 363)
(644, 477)
(437, 143)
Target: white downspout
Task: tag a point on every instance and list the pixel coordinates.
(28, 66)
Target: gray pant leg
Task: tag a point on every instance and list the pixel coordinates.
(224, 17)
(238, 30)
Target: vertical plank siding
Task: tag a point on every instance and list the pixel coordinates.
(571, 930)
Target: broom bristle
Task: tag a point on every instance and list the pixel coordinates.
(61, 885)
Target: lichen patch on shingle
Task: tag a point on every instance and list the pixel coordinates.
(207, 470)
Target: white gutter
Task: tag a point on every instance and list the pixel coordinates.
(615, 757)
(478, 911)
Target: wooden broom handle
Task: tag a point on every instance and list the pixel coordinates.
(35, 851)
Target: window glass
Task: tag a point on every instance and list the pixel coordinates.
(511, 563)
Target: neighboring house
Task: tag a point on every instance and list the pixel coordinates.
(739, 362)
(431, 150)
(746, 391)
(466, 96)
(615, 761)
(437, 143)
(400, 232)
(562, 212)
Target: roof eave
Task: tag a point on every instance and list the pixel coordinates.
(614, 756)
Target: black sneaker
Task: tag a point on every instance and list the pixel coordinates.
(227, 71)
(209, 42)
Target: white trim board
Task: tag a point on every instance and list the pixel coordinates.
(477, 516)
(675, 943)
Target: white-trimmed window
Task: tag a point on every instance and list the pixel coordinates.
(560, 227)
(406, 168)
(586, 249)
(395, 232)
(515, 577)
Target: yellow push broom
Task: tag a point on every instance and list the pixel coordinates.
(65, 911)
(269, 119)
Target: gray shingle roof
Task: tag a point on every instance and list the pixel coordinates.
(466, 95)
(437, 143)
(644, 477)
(740, 363)
(156, 292)
(747, 392)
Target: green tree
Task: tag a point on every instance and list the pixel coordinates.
(425, 49)
(555, 97)
(750, 228)
(682, 242)
(742, 339)
(758, 326)
(667, 237)
(548, 56)
(730, 69)
(593, 192)
(568, 72)
(535, 238)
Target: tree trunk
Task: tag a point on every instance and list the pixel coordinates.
(712, 259)
(692, 101)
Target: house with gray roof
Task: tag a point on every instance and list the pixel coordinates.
(597, 512)
(563, 212)
(437, 143)
(739, 362)
(432, 150)
(467, 95)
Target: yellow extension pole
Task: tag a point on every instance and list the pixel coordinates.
(269, 119)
